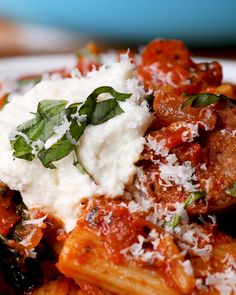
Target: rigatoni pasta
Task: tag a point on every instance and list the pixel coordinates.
(84, 258)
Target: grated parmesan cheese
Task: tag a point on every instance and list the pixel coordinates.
(182, 175)
(190, 133)
(157, 146)
(137, 251)
(187, 267)
(231, 133)
(224, 282)
(38, 221)
(203, 167)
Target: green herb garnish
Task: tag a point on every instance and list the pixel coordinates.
(193, 197)
(29, 139)
(38, 130)
(203, 100)
(232, 190)
(175, 220)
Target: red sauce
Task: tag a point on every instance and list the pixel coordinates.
(167, 108)
(189, 152)
(122, 229)
(168, 62)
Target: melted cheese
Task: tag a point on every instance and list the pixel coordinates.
(107, 151)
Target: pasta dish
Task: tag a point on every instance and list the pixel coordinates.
(116, 176)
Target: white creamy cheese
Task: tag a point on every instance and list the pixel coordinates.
(107, 151)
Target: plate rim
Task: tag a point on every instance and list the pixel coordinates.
(13, 67)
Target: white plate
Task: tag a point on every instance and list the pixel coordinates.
(17, 66)
(229, 68)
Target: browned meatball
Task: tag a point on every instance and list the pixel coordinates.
(220, 155)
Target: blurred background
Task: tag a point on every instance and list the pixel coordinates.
(59, 26)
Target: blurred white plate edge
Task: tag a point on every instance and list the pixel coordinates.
(16, 66)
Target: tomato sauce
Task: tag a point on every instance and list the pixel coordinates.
(168, 62)
(167, 68)
(118, 227)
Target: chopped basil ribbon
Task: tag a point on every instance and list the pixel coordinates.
(175, 220)
(29, 139)
(232, 190)
(203, 100)
(191, 198)
(77, 163)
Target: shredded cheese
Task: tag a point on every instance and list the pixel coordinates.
(182, 175)
(138, 252)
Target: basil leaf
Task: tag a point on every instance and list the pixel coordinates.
(80, 167)
(232, 190)
(75, 105)
(49, 114)
(22, 150)
(194, 197)
(28, 124)
(105, 110)
(47, 117)
(52, 113)
(57, 151)
(49, 108)
(175, 220)
(63, 147)
(191, 198)
(107, 89)
(77, 163)
(202, 100)
(88, 108)
(48, 126)
(76, 130)
(34, 132)
(22, 145)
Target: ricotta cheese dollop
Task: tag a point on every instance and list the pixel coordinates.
(107, 151)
